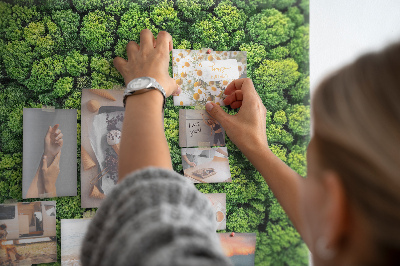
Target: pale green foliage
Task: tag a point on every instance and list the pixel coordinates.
(18, 59)
(97, 31)
(76, 63)
(305, 6)
(270, 27)
(85, 5)
(35, 35)
(193, 9)
(275, 76)
(44, 73)
(280, 117)
(231, 17)
(165, 17)
(62, 87)
(67, 34)
(14, 18)
(295, 16)
(299, 46)
(297, 160)
(300, 92)
(278, 53)
(133, 22)
(299, 119)
(279, 151)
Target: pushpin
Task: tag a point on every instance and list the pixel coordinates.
(232, 234)
(209, 51)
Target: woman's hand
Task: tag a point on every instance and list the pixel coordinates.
(50, 174)
(150, 59)
(53, 143)
(246, 128)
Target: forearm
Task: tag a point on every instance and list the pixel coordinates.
(283, 181)
(143, 141)
(36, 188)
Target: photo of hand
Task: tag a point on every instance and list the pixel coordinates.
(44, 182)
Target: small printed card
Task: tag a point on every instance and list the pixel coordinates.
(204, 74)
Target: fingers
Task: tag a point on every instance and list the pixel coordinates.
(217, 113)
(54, 129)
(120, 64)
(245, 85)
(177, 92)
(59, 136)
(235, 99)
(131, 48)
(60, 142)
(164, 41)
(44, 163)
(147, 40)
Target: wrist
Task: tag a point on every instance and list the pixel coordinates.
(149, 100)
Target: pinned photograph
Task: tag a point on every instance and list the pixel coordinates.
(49, 153)
(206, 165)
(72, 234)
(218, 201)
(204, 74)
(28, 233)
(102, 117)
(239, 247)
(198, 129)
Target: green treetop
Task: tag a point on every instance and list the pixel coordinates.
(299, 119)
(97, 31)
(270, 27)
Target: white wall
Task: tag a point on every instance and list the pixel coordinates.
(341, 30)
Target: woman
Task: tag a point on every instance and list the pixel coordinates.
(217, 129)
(12, 254)
(346, 210)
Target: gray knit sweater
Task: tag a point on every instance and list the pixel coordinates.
(153, 217)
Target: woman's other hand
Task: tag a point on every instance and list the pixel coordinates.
(149, 59)
(50, 174)
(246, 128)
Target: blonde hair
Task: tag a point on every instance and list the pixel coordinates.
(356, 115)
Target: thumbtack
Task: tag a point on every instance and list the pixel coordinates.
(232, 234)
(209, 51)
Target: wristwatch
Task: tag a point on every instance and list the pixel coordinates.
(143, 85)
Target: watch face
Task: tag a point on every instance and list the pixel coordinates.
(141, 83)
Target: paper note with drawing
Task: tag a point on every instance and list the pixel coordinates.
(204, 76)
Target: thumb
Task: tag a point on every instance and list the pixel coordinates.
(218, 113)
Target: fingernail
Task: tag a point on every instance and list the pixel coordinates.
(44, 157)
(209, 106)
(179, 90)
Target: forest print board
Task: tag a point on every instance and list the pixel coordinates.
(51, 50)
